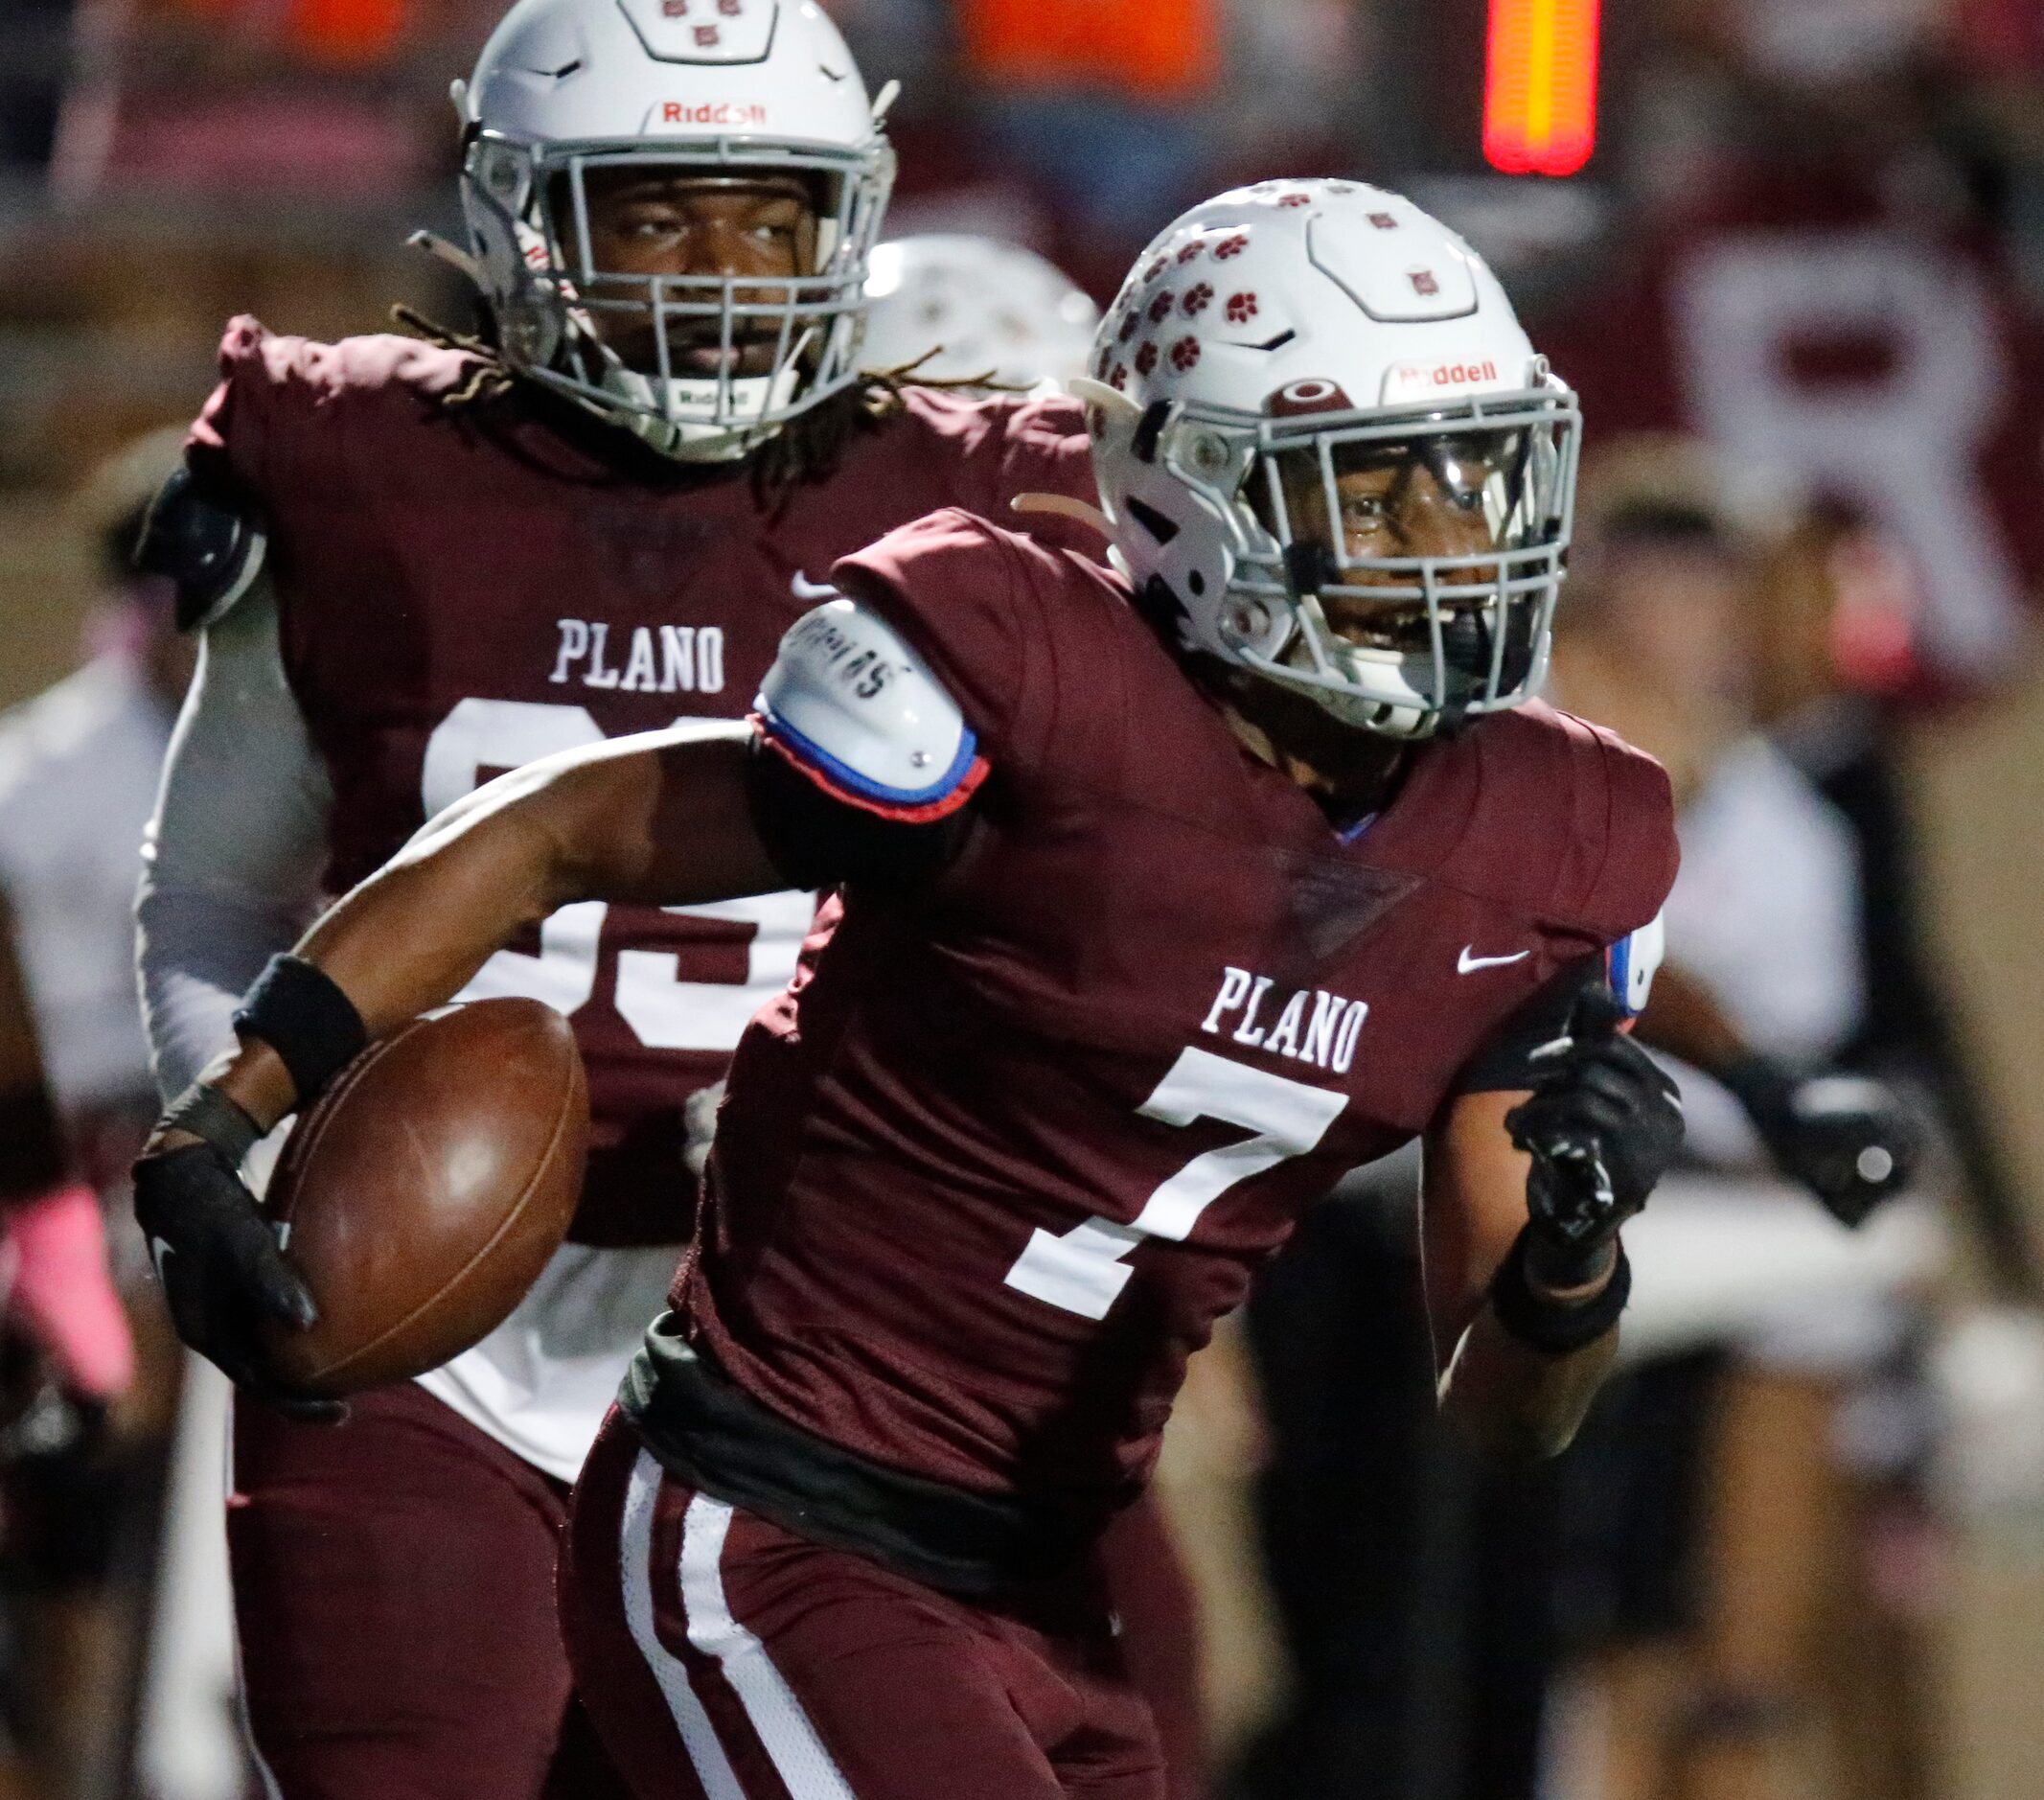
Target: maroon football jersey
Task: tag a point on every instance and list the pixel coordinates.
(985, 1178)
(463, 591)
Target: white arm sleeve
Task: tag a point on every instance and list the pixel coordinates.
(232, 860)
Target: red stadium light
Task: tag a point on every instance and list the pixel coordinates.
(1540, 89)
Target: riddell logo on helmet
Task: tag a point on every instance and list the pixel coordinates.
(1421, 378)
(712, 112)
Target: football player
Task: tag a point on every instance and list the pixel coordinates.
(1170, 893)
(417, 564)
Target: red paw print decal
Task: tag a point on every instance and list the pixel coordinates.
(1241, 308)
(1147, 358)
(1424, 282)
(1120, 376)
(1186, 354)
(1231, 246)
(1384, 221)
(1130, 320)
(1100, 368)
(1297, 199)
(1157, 268)
(1190, 253)
(1197, 300)
(1160, 306)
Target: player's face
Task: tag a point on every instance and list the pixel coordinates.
(1445, 498)
(643, 223)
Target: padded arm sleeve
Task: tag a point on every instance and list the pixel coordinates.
(864, 764)
(859, 713)
(232, 860)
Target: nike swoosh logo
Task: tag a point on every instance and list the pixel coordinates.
(803, 588)
(1466, 964)
(160, 1252)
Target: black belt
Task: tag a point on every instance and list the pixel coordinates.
(703, 1431)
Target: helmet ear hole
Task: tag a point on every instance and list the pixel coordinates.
(1163, 529)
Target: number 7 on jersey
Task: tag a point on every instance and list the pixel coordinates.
(1083, 1271)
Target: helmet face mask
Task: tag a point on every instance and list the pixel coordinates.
(572, 97)
(1397, 562)
(554, 329)
(1389, 633)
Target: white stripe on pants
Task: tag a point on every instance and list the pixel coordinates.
(776, 1717)
(635, 1561)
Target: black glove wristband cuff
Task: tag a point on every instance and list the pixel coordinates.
(205, 1112)
(1546, 1325)
(296, 1008)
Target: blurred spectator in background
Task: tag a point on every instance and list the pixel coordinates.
(1710, 1506)
(1820, 270)
(1806, 281)
(31, 81)
(66, 1639)
(78, 777)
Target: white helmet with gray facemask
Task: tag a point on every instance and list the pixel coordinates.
(737, 92)
(1270, 343)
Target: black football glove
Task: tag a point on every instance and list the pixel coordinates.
(1845, 1138)
(222, 1269)
(1603, 1125)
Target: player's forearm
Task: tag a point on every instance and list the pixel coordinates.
(413, 936)
(1518, 1404)
(1520, 1357)
(647, 820)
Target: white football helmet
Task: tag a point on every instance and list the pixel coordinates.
(1301, 328)
(987, 309)
(731, 89)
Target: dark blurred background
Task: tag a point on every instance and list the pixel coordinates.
(1794, 261)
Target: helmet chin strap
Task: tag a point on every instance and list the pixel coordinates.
(1385, 718)
(655, 402)
(1392, 718)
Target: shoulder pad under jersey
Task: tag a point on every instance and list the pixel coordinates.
(213, 549)
(859, 713)
(1632, 961)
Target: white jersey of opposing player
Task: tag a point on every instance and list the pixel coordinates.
(987, 309)
(78, 775)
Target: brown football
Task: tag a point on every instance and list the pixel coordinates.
(426, 1190)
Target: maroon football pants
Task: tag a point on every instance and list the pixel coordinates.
(394, 1588)
(725, 1658)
